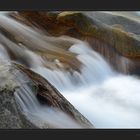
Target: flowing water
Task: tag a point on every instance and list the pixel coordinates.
(106, 98)
(41, 115)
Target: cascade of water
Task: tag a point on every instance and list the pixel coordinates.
(42, 115)
(108, 99)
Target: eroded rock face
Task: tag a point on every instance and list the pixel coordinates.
(13, 78)
(114, 43)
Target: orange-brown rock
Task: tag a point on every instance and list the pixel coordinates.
(116, 44)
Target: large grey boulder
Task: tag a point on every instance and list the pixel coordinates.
(15, 79)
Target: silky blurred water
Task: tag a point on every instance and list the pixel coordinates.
(106, 98)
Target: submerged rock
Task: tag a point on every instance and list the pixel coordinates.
(13, 80)
(123, 20)
(21, 42)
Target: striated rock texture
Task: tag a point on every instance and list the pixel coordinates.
(14, 77)
(11, 116)
(118, 44)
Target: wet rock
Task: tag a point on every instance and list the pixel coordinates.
(13, 78)
(16, 37)
(124, 20)
(51, 96)
(115, 44)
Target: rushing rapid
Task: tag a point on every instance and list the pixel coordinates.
(106, 98)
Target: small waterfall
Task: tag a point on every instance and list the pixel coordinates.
(107, 98)
(94, 70)
(41, 115)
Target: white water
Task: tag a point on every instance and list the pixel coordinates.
(108, 99)
(41, 115)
